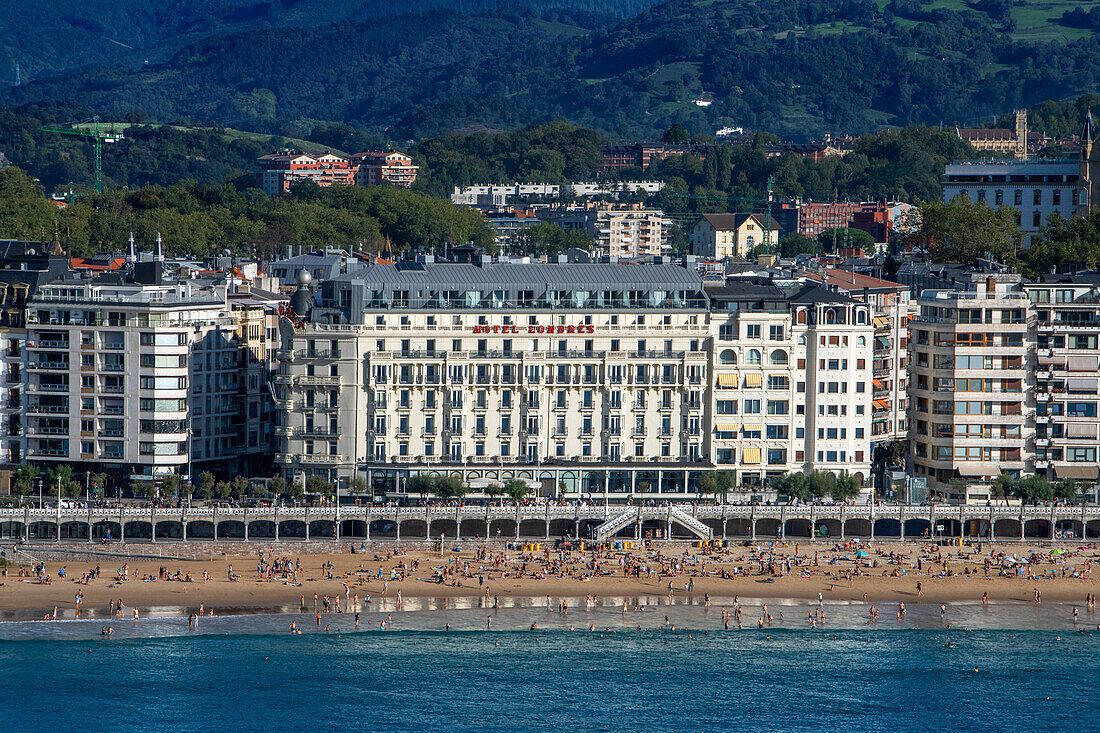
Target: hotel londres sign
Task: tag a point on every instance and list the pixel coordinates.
(536, 329)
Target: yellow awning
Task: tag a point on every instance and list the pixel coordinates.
(750, 428)
(726, 427)
(754, 379)
(881, 321)
(727, 381)
(750, 456)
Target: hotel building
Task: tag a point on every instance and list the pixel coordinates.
(581, 379)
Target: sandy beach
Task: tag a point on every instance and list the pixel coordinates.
(287, 579)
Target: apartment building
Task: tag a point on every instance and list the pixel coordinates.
(1067, 324)
(629, 232)
(1036, 188)
(138, 377)
(792, 381)
(724, 236)
(972, 402)
(279, 171)
(376, 167)
(582, 379)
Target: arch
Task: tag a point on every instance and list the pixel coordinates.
(800, 317)
(503, 529)
(446, 527)
(858, 478)
(951, 528)
(200, 529)
(261, 529)
(799, 528)
(562, 528)
(413, 529)
(321, 528)
(753, 356)
(472, 528)
(228, 529)
(727, 356)
(1092, 528)
(767, 527)
(1006, 528)
(830, 315)
(778, 357)
(42, 530)
(885, 527)
(105, 527)
(861, 341)
(801, 339)
(827, 528)
(715, 526)
(139, 529)
(917, 527)
(1067, 529)
(861, 316)
(738, 528)
(74, 530)
(292, 529)
(1037, 528)
(169, 529)
(388, 528)
(353, 528)
(10, 530)
(857, 527)
(532, 528)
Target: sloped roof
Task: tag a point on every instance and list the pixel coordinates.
(729, 222)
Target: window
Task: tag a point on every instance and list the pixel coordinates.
(778, 357)
(752, 331)
(777, 407)
(753, 357)
(727, 356)
(1037, 197)
(726, 407)
(1036, 219)
(775, 333)
(1018, 198)
(776, 432)
(752, 407)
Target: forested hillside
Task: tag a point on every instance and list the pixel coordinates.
(796, 68)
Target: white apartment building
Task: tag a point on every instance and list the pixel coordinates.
(1036, 188)
(581, 379)
(971, 386)
(629, 232)
(140, 379)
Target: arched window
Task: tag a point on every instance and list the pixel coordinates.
(861, 341)
(830, 316)
(778, 357)
(753, 357)
(800, 317)
(727, 356)
(802, 339)
(861, 316)
(750, 241)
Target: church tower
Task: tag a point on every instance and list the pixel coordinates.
(1090, 167)
(1021, 134)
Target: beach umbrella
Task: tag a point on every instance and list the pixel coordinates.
(1058, 552)
(862, 553)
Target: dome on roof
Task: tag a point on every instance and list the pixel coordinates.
(303, 277)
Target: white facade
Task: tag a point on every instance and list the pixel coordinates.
(1036, 189)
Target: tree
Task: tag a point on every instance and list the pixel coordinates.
(1001, 487)
(793, 245)
(239, 487)
(676, 135)
(962, 231)
(794, 485)
(494, 490)
(420, 484)
(724, 482)
(1033, 489)
(708, 484)
(257, 490)
(845, 488)
(297, 491)
(822, 483)
(1066, 490)
(97, 483)
(206, 484)
(222, 490)
(832, 240)
(169, 485)
(277, 485)
(317, 485)
(143, 489)
(448, 487)
(516, 489)
(357, 485)
(23, 478)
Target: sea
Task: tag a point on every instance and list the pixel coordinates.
(654, 667)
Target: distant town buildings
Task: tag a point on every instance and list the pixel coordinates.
(877, 218)
(1035, 188)
(628, 231)
(999, 141)
(722, 236)
(279, 171)
(492, 196)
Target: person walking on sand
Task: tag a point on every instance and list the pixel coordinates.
(918, 589)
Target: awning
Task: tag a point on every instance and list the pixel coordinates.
(881, 321)
(1081, 364)
(1077, 471)
(1081, 384)
(751, 428)
(878, 384)
(727, 381)
(1081, 430)
(754, 379)
(1052, 361)
(726, 427)
(882, 404)
(750, 456)
(883, 341)
(978, 468)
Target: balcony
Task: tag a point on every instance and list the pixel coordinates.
(61, 366)
(51, 387)
(48, 344)
(316, 381)
(49, 409)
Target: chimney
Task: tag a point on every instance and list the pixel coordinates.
(158, 252)
(132, 258)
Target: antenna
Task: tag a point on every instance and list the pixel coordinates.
(18, 76)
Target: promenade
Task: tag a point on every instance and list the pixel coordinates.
(550, 521)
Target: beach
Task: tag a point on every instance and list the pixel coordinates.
(286, 578)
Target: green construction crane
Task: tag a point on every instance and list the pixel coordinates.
(98, 138)
(767, 210)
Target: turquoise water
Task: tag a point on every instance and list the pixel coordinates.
(247, 674)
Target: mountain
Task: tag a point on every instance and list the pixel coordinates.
(797, 68)
(49, 37)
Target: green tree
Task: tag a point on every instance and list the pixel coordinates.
(516, 489)
(794, 485)
(676, 135)
(97, 483)
(296, 491)
(23, 479)
(420, 484)
(277, 485)
(822, 484)
(832, 240)
(169, 485)
(238, 488)
(795, 244)
(25, 213)
(206, 482)
(724, 482)
(493, 490)
(317, 485)
(1033, 489)
(708, 484)
(962, 231)
(844, 489)
(222, 490)
(1066, 490)
(358, 485)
